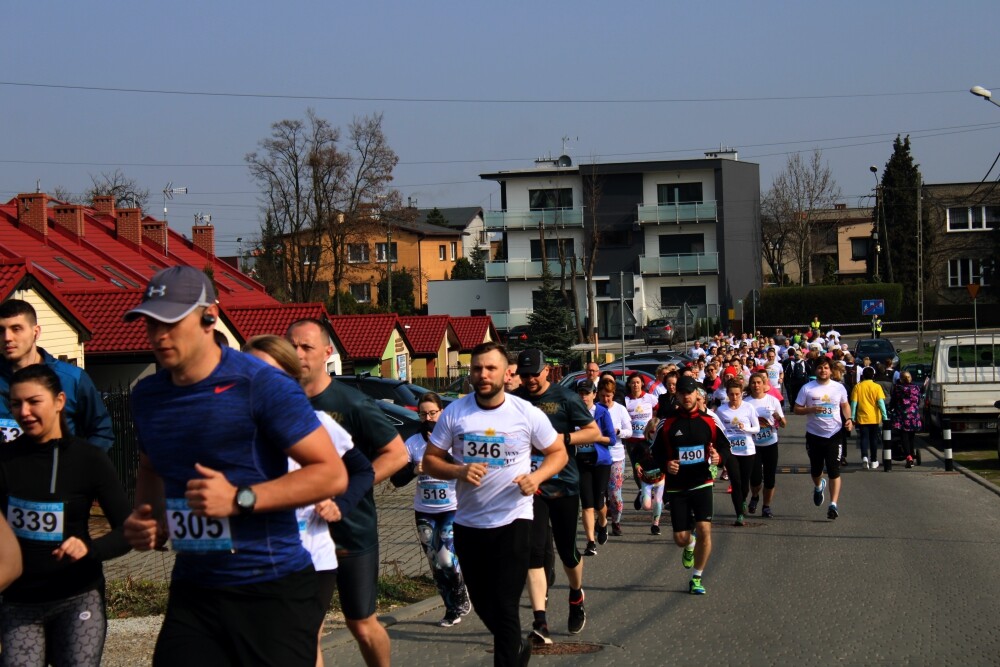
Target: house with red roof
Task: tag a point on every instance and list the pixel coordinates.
(471, 331)
(435, 344)
(259, 320)
(374, 344)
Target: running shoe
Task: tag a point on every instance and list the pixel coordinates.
(739, 520)
(725, 475)
(767, 513)
(464, 603)
(654, 529)
(695, 587)
(818, 493)
(591, 549)
(864, 463)
(875, 464)
(616, 529)
(909, 461)
(687, 558)
(525, 655)
(577, 617)
(539, 633)
(744, 508)
(451, 618)
(602, 534)
(752, 507)
(832, 513)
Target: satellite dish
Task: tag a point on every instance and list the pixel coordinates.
(565, 161)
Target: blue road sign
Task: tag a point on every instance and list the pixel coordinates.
(873, 306)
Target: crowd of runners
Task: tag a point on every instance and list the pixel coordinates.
(258, 470)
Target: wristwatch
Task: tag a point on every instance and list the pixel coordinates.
(246, 499)
(566, 439)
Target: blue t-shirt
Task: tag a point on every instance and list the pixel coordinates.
(240, 420)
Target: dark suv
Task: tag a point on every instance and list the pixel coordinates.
(879, 350)
(400, 392)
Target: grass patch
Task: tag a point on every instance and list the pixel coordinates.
(983, 462)
(914, 357)
(130, 597)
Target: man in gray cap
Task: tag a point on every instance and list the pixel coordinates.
(216, 428)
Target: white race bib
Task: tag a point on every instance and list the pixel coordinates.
(691, 455)
(432, 491)
(36, 521)
(9, 430)
(826, 411)
(196, 534)
(482, 448)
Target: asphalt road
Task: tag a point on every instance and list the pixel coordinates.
(906, 575)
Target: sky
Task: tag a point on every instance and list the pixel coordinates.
(474, 87)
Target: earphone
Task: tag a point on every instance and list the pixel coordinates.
(207, 319)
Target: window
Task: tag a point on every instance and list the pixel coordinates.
(454, 250)
(681, 244)
(380, 253)
(962, 272)
(552, 249)
(973, 218)
(362, 292)
(540, 200)
(982, 355)
(859, 248)
(679, 193)
(310, 254)
(357, 253)
(676, 296)
(74, 268)
(441, 252)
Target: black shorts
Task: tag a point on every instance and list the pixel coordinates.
(357, 583)
(563, 515)
(823, 451)
(690, 507)
(270, 623)
(325, 588)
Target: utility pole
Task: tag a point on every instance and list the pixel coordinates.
(920, 266)
(621, 311)
(388, 268)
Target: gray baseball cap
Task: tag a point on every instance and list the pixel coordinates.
(173, 293)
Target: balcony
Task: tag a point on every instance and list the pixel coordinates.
(525, 269)
(505, 319)
(679, 265)
(553, 218)
(661, 214)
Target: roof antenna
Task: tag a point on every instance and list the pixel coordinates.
(38, 185)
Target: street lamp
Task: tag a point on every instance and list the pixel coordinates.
(987, 95)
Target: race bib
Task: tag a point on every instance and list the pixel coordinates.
(482, 448)
(585, 449)
(9, 430)
(536, 461)
(432, 491)
(638, 425)
(738, 443)
(826, 411)
(765, 435)
(692, 455)
(196, 534)
(36, 521)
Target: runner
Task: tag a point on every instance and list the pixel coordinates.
(49, 480)
(594, 462)
(85, 413)
(10, 556)
(355, 535)
(686, 443)
(641, 407)
(740, 422)
(556, 505)
(215, 428)
(771, 417)
(490, 437)
(868, 412)
(650, 481)
(775, 373)
(623, 430)
(825, 402)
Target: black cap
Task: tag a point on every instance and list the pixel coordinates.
(530, 361)
(585, 385)
(686, 385)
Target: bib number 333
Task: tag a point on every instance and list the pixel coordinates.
(198, 534)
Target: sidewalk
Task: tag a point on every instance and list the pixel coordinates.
(904, 576)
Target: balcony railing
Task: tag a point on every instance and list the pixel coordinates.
(692, 263)
(659, 214)
(505, 319)
(525, 269)
(550, 218)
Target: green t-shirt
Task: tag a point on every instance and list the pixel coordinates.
(371, 431)
(566, 413)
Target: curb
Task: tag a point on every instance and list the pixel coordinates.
(400, 615)
(985, 483)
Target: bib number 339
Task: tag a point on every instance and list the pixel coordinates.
(36, 521)
(198, 534)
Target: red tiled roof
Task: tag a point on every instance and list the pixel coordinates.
(10, 275)
(364, 336)
(105, 309)
(471, 330)
(251, 322)
(425, 332)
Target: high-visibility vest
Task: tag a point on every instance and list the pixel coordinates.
(815, 324)
(878, 325)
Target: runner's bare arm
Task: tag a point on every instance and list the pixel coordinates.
(146, 528)
(391, 458)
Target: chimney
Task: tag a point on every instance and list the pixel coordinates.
(156, 232)
(840, 207)
(203, 237)
(128, 224)
(105, 204)
(33, 211)
(70, 217)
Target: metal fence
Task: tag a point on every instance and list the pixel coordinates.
(125, 453)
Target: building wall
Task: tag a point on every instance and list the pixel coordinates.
(517, 188)
(654, 178)
(462, 297)
(738, 196)
(845, 265)
(58, 337)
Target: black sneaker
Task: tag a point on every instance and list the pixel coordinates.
(525, 655)
(591, 549)
(832, 513)
(654, 530)
(539, 633)
(577, 618)
(752, 507)
(616, 529)
(602, 534)
(451, 618)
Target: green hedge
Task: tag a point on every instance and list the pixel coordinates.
(796, 306)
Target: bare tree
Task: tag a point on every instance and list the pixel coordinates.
(593, 189)
(795, 194)
(127, 191)
(774, 236)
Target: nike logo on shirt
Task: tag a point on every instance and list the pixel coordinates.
(224, 387)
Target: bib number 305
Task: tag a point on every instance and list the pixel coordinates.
(198, 534)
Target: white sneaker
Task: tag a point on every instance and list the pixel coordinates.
(864, 462)
(875, 464)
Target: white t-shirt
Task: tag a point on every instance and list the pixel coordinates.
(768, 409)
(313, 529)
(774, 372)
(829, 396)
(623, 424)
(696, 352)
(502, 438)
(432, 495)
(739, 425)
(640, 411)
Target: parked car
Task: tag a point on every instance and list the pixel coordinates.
(965, 383)
(659, 331)
(919, 372)
(570, 379)
(400, 392)
(517, 337)
(879, 350)
(405, 421)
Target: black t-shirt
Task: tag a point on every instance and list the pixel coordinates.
(566, 412)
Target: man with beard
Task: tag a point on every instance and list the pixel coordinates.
(485, 441)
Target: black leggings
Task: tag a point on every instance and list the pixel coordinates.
(906, 442)
(765, 468)
(562, 513)
(64, 632)
(593, 485)
(741, 481)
